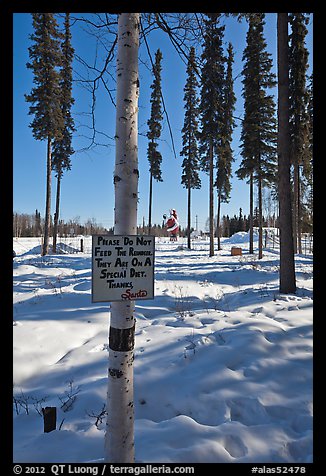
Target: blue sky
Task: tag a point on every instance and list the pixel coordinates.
(87, 190)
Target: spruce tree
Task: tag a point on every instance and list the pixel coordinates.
(307, 169)
(258, 137)
(247, 166)
(62, 147)
(211, 105)
(241, 223)
(225, 153)
(299, 131)
(38, 226)
(154, 132)
(308, 164)
(190, 165)
(45, 59)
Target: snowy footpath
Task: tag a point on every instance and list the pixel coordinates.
(223, 361)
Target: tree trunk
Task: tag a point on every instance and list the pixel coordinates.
(218, 221)
(295, 206)
(56, 215)
(287, 266)
(211, 201)
(251, 218)
(119, 439)
(189, 218)
(299, 214)
(150, 203)
(45, 249)
(260, 211)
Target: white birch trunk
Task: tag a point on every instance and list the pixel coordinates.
(119, 439)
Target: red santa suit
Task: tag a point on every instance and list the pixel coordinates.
(173, 225)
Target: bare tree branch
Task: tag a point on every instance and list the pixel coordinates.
(96, 76)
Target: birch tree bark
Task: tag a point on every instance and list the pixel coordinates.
(119, 439)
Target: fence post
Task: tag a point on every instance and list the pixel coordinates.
(81, 245)
(50, 418)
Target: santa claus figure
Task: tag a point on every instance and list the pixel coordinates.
(172, 225)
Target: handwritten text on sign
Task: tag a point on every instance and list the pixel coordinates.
(122, 267)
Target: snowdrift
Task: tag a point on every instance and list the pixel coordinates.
(223, 362)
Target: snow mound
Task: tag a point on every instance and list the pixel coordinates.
(62, 248)
(241, 237)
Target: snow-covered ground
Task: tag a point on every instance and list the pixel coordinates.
(223, 361)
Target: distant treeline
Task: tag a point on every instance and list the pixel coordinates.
(28, 225)
(229, 226)
(33, 225)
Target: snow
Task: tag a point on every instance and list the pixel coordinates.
(223, 361)
(241, 237)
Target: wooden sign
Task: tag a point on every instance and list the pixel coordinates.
(122, 267)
